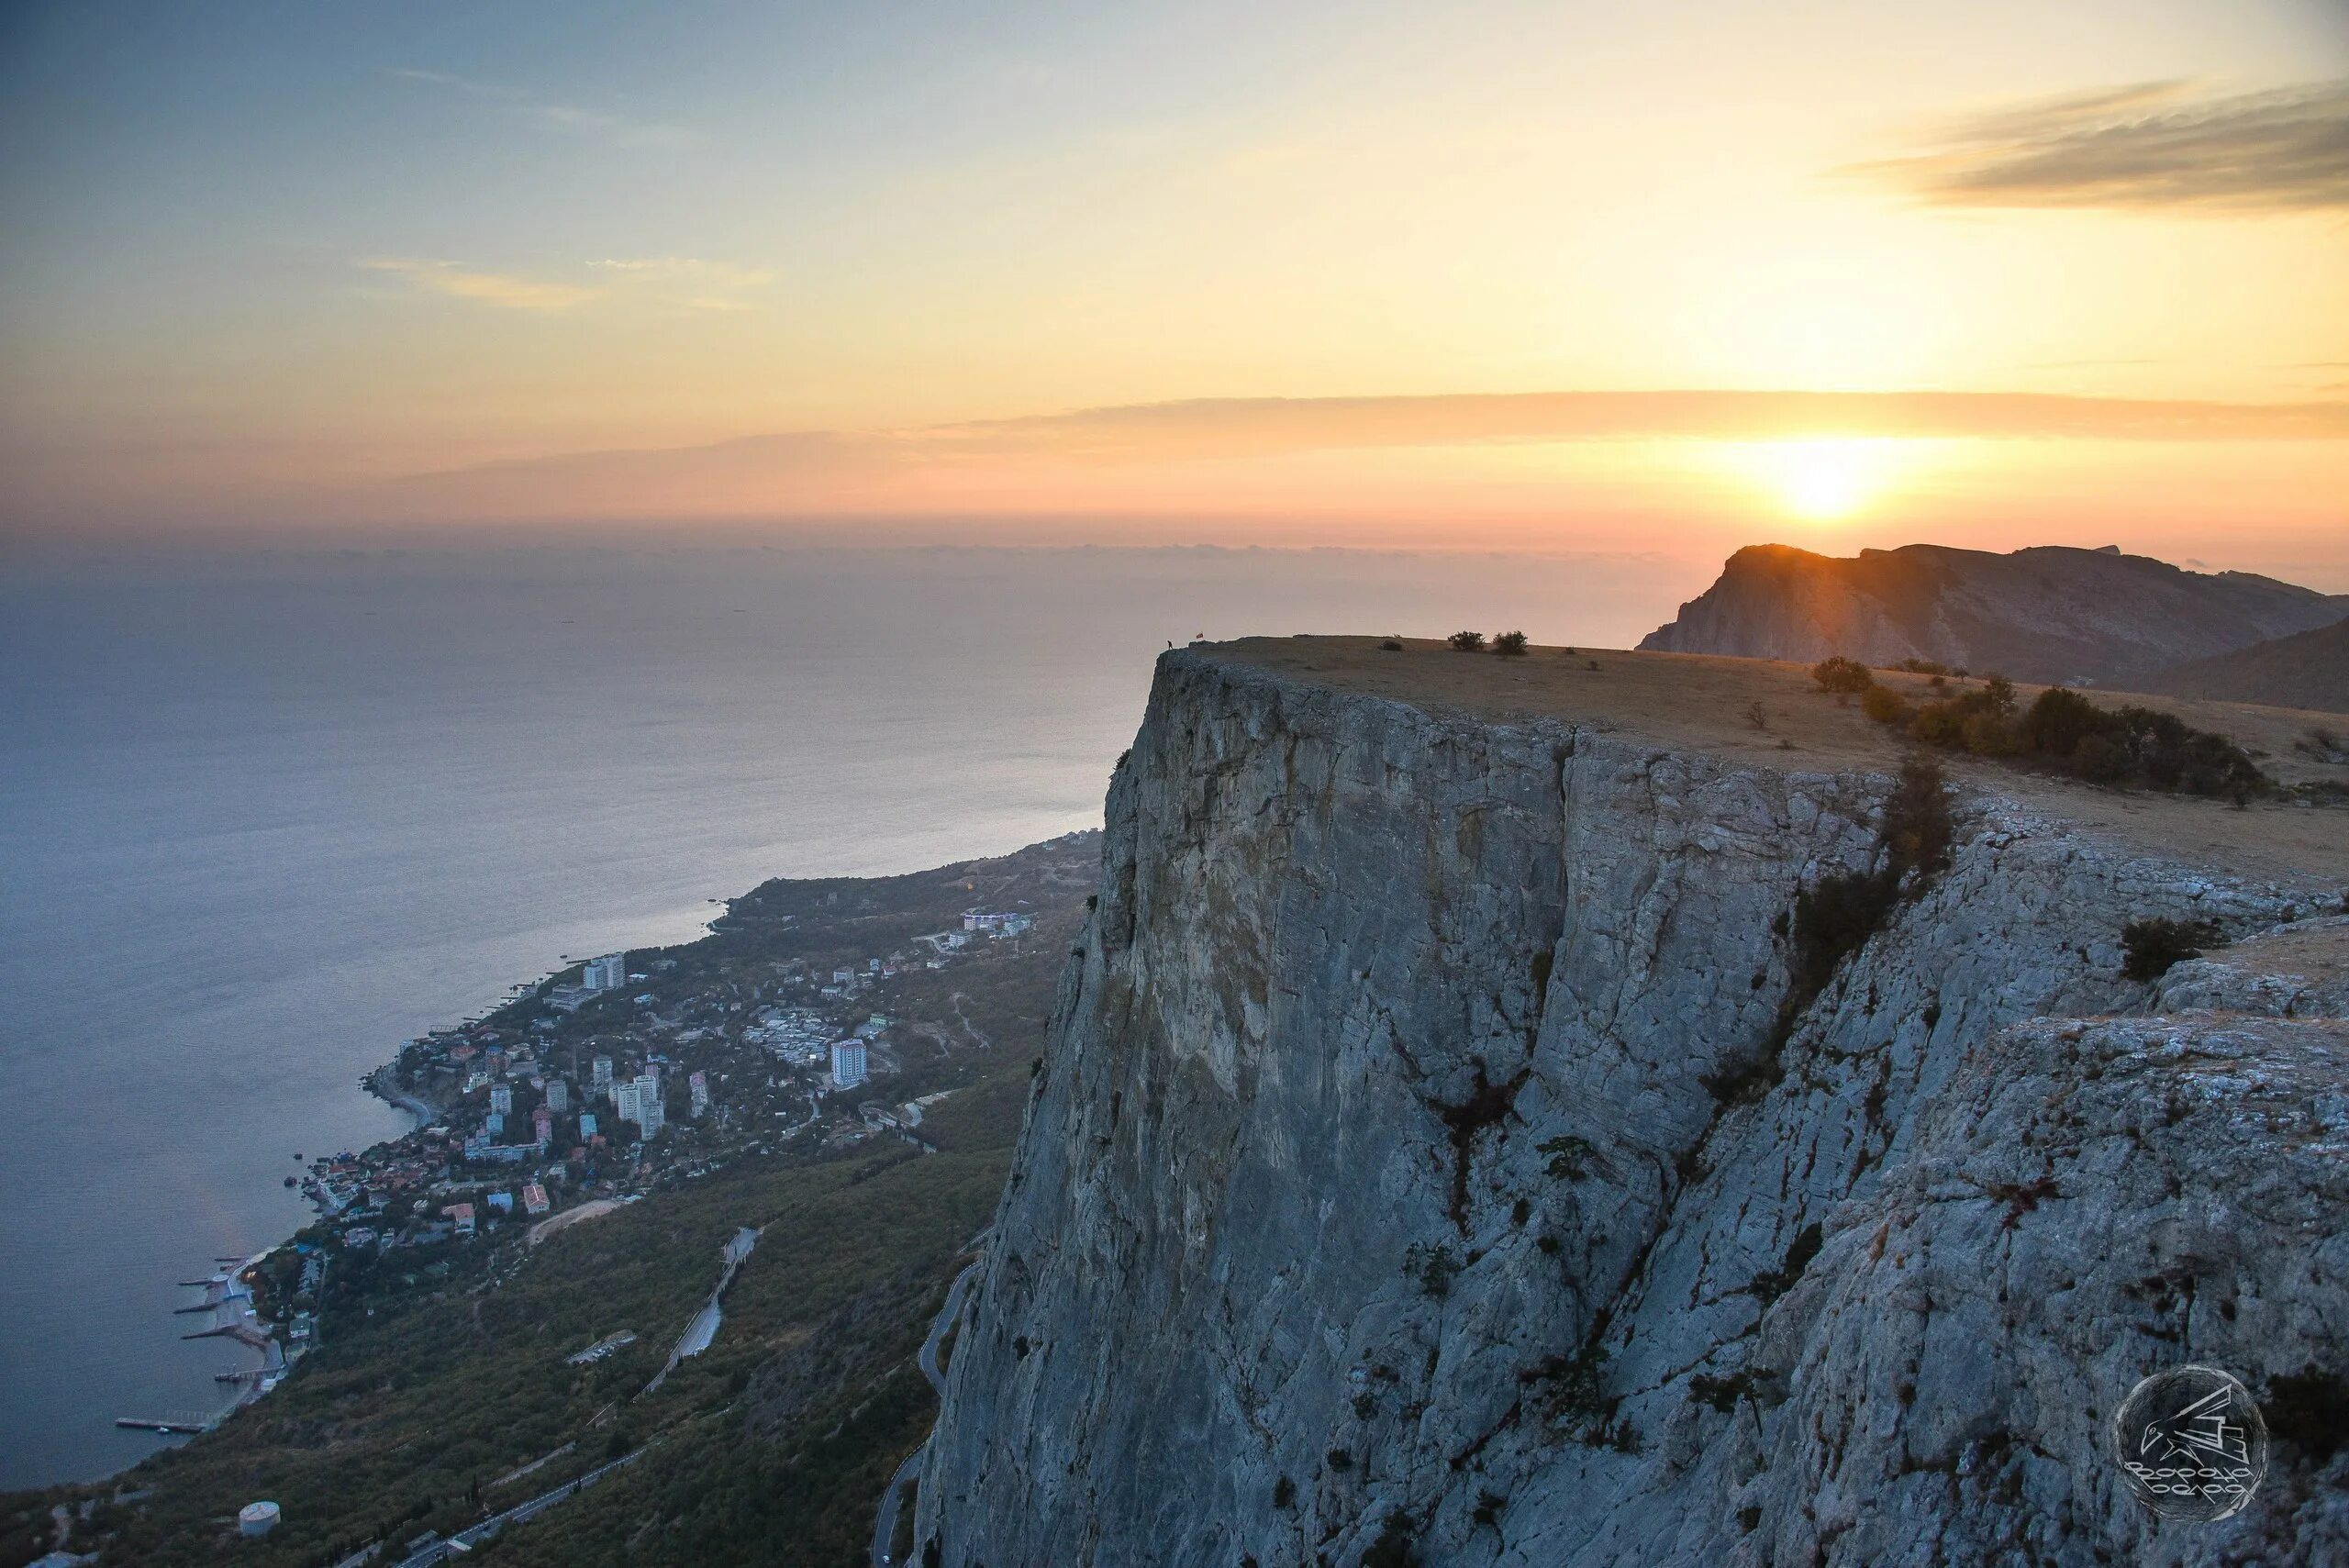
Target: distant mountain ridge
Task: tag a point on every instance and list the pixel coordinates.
(2049, 613)
(2307, 669)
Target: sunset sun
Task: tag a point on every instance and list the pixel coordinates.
(1823, 480)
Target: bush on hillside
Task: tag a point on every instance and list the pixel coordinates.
(2152, 948)
(1884, 704)
(1845, 677)
(1836, 915)
(2134, 747)
(1465, 641)
(1509, 644)
(2059, 721)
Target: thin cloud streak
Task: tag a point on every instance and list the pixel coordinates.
(560, 118)
(2140, 147)
(505, 291)
(1237, 427)
(971, 465)
(688, 270)
(683, 283)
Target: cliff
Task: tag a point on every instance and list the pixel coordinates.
(1441, 1154)
(2052, 614)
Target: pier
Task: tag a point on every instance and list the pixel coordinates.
(182, 1424)
(230, 1301)
(250, 1338)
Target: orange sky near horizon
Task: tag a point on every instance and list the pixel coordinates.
(1493, 276)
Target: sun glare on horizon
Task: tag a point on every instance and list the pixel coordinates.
(1823, 479)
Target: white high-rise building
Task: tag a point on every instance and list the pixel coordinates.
(848, 1063)
(626, 1102)
(650, 1113)
(609, 973)
(558, 1095)
(698, 1087)
(500, 1099)
(602, 1080)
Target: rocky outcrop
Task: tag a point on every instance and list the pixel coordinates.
(2050, 614)
(1440, 1155)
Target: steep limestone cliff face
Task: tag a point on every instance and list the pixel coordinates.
(1428, 1151)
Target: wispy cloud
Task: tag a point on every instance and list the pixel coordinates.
(506, 291)
(675, 283)
(689, 282)
(1242, 425)
(724, 274)
(2151, 145)
(947, 467)
(560, 118)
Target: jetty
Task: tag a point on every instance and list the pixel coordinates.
(178, 1424)
(249, 1336)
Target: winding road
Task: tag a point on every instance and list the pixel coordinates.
(893, 1500)
(465, 1541)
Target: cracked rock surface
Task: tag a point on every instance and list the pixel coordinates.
(1428, 1150)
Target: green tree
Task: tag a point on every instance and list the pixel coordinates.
(1844, 677)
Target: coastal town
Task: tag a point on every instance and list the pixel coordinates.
(786, 1030)
(676, 1216)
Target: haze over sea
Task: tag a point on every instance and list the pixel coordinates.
(264, 815)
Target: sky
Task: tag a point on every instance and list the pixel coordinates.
(1673, 276)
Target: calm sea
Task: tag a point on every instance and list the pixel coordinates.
(262, 816)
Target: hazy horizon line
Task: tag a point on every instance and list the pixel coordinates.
(1258, 425)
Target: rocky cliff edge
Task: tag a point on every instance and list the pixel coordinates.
(1447, 1152)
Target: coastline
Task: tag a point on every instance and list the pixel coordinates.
(929, 971)
(232, 1294)
(383, 1084)
(231, 1291)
